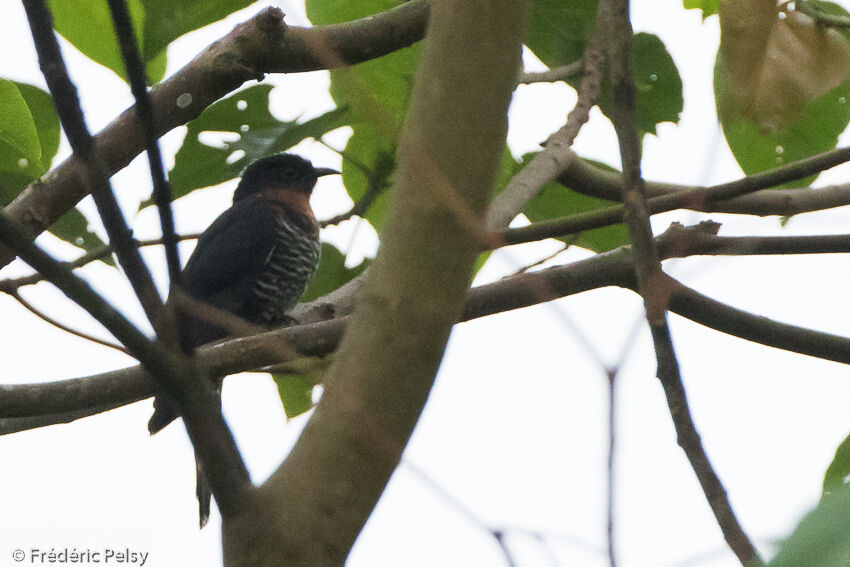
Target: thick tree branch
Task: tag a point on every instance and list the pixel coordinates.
(588, 179)
(699, 198)
(263, 44)
(375, 389)
(71, 399)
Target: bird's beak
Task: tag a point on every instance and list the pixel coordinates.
(320, 171)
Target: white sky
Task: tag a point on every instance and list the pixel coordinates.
(515, 428)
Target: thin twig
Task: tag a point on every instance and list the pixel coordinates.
(497, 534)
(78, 290)
(224, 465)
(12, 284)
(377, 181)
(48, 319)
(561, 249)
(144, 110)
(650, 278)
(73, 123)
(612, 436)
(555, 157)
(553, 75)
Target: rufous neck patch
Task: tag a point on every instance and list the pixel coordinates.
(291, 200)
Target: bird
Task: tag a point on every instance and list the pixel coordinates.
(254, 261)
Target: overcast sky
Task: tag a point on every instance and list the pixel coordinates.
(515, 430)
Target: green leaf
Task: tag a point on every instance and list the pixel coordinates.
(295, 382)
(708, 7)
(20, 150)
(554, 200)
(46, 121)
(558, 34)
(87, 25)
(658, 87)
(166, 20)
(770, 112)
(244, 115)
(814, 131)
(332, 273)
(72, 227)
(296, 393)
(558, 31)
(377, 93)
(40, 106)
(839, 469)
(381, 162)
(821, 538)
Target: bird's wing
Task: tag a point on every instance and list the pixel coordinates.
(230, 252)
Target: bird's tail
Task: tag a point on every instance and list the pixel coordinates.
(204, 493)
(165, 412)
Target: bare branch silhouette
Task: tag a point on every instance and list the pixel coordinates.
(12, 284)
(138, 84)
(50, 320)
(651, 279)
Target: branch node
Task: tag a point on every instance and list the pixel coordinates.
(270, 19)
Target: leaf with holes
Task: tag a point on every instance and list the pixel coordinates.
(73, 227)
(781, 84)
(249, 131)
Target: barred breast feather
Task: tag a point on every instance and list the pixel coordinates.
(290, 265)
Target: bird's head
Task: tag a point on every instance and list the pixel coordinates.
(281, 171)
